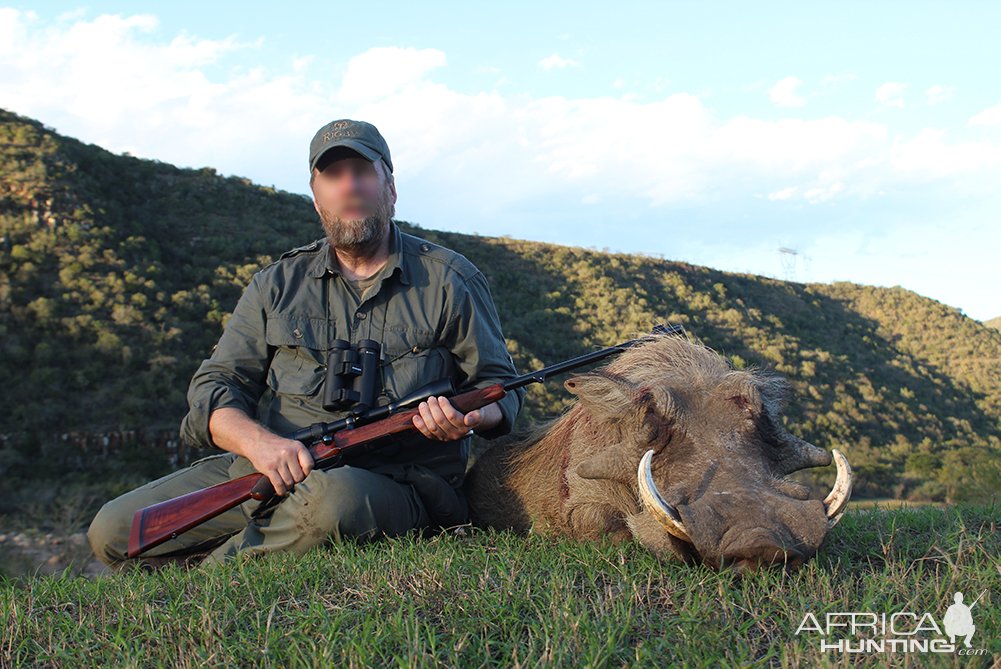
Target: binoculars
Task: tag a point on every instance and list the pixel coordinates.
(352, 376)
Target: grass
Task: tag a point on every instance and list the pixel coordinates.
(494, 599)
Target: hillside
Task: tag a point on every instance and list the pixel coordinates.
(116, 275)
(994, 323)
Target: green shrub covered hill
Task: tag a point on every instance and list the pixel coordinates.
(117, 275)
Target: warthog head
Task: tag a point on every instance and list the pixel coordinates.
(671, 446)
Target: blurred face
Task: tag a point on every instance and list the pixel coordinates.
(355, 201)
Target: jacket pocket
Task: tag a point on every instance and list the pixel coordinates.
(300, 360)
(412, 360)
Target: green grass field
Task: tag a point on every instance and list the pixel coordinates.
(489, 599)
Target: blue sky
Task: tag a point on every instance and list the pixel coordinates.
(866, 136)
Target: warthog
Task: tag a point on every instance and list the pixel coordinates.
(669, 445)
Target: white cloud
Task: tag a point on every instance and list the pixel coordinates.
(72, 15)
(937, 94)
(783, 93)
(891, 94)
(382, 72)
(301, 63)
(823, 193)
(118, 82)
(557, 62)
(833, 79)
(115, 81)
(988, 117)
(797, 145)
(98, 70)
(929, 156)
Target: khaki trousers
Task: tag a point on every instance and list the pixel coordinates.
(332, 505)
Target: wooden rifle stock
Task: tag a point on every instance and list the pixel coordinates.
(161, 522)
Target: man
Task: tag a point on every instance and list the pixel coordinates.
(431, 312)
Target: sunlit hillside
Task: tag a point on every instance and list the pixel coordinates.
(117, 274)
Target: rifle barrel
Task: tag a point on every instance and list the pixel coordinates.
(540, 375)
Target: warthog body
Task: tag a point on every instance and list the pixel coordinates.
(717, 488)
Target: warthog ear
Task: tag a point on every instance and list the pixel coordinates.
(605, 396)
(608, 397)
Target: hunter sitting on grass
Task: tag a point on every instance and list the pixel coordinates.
(431, 313)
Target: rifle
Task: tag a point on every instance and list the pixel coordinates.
(329, 443)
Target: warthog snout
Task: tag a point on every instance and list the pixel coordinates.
(758, 549)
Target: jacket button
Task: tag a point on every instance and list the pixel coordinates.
(360, 316)
(298, 333)
(425, 248)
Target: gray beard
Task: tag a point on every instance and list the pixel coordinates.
(359, 234)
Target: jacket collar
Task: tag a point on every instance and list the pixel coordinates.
(325, 264)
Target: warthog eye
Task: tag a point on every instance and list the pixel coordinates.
(743, 404)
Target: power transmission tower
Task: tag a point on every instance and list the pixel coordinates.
(788, 258)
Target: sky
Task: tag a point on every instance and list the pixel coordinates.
(863, 138)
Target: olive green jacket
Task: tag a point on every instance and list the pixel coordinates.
(431, 310)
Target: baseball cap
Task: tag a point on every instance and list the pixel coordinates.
(361, 137)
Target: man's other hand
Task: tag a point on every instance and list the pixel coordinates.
(438, 419)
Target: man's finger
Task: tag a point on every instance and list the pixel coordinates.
(437, 417)
(295, 469)
(287, 476)
(306, 462)
(446, 424)
(472, 419)
(435, 421)
(422, 426)
(454, 417)
(277, 483)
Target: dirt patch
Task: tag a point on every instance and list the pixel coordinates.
(37, 553)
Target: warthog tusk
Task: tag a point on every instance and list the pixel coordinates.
(837, 501)
(655, 504)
